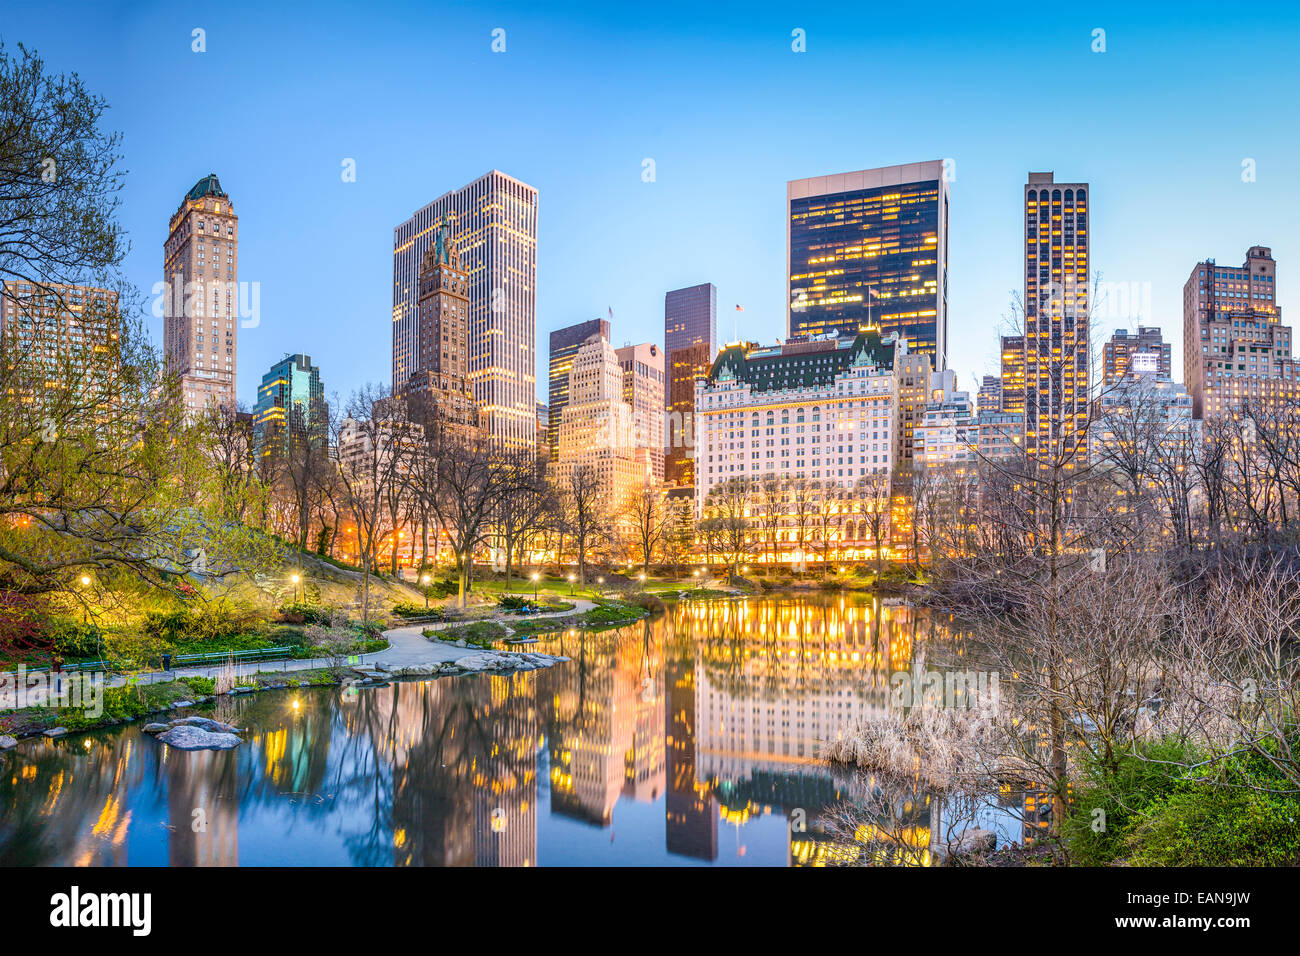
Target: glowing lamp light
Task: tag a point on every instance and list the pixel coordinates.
(85, 580)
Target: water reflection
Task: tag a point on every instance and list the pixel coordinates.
(693, 738)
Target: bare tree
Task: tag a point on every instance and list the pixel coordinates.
(373, 440)
(585, 512)
(647, 511)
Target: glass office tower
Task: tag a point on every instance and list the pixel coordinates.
(871, 248)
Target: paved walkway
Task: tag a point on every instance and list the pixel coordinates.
(407, 646)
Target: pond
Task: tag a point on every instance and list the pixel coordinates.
(689, 739)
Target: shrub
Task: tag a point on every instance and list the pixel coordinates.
(303, 613)
(75, 639)
(411, 609)
(205, 621)
(649, 602)
(204, 686)
(1140, 781)
(1217, 826)
(512, 602)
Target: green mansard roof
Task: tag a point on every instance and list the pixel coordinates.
(209, 185)
(801, 363)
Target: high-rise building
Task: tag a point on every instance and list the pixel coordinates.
(643, 389)
(1013, 374)
(1057, 317)
(989, 397)
(870, 248)
(494, 220)
(1235, 347)
(543, 430)
(690, 316)
(59, 336)
(565, 343)
(1121, 352)
(686, 366)
(946, 432)
(201, 306)
(913, 373)
(597, 429)
(291, 407)
(438, 386)
(690, 343)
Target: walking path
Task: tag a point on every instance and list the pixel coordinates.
(407, 647)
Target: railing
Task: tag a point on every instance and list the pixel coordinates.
(184, 660)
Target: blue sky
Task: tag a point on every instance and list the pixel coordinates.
(1159, 124)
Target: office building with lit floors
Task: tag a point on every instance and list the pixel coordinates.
(643, 389)
(1057, 317)
(1147, 351)
(564, 346)
(597, 430)
(1236, 351)
(201, 301)
(494, 221)
(438, 391)
(690, 344)
(870, 248)
(291, 408)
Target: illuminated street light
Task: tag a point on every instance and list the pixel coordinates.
(424, 579)
(535, 577)
(572, 578)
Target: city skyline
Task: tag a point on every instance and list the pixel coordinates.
(609, 239)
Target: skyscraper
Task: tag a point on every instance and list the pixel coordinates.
(643, 389)
(58, 336)
(1235, 347)
(438, 387)
(690, 316)
(1057, 316)
(565, 343)
(1013, 374)
(690, 343)
(290, 407)
(1120, 355)
(596, 427)
(494, 220)
(201, 303)
(871, 248)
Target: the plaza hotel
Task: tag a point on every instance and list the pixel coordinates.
(823, 409)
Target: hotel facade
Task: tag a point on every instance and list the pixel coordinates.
(821, 410)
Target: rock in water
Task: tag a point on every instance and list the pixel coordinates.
(186, 737)
(203, 723)
(154, 728)
(7, 742)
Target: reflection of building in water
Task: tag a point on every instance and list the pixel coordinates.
(691, 811)
(464, 768)
(603, 721)
(202, 808)
(775, 680)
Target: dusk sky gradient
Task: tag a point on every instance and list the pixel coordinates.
(1159, 125)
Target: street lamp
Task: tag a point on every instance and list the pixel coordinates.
(295, 578)
(572, 578)
(424, 579)
(85, 583)
(535, 577)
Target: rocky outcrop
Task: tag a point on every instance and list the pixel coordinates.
(196, 733)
